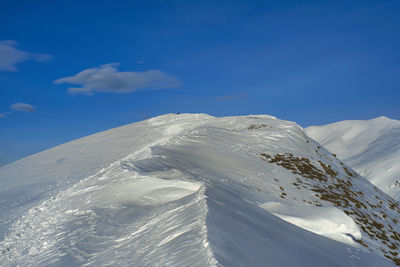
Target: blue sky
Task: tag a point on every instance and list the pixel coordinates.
(69, 69)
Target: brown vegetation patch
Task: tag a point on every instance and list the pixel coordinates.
(328, 169)
(297, 165)
(339, 191)
(362, 243)
(396, 260)
(256, 126)
(346, 170)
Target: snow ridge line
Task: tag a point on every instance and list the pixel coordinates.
(29, 226)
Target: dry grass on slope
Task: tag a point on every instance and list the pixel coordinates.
(336, 187)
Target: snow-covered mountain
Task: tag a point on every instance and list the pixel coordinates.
(194, 190)
(371, 147)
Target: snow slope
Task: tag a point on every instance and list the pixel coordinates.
(370, 147)
(194, 190)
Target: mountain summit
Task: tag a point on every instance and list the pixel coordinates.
(194, 190)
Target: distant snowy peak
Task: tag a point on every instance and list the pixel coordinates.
(371, 147)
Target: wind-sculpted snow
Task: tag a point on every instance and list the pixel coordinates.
(29, 181)
(193, 190)
(145, 219)
(326, 221)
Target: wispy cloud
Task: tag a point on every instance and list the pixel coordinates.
(10, 56)
(230, 97)
(23, 107)
(107, 78)
(4, 114)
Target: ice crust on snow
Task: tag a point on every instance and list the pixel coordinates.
(179, 190)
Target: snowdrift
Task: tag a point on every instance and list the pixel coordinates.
(194, 190)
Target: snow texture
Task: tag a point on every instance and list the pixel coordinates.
(193, 190)
(370, 147)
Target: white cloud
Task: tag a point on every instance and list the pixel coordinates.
(107, 78)
(10, 56)
(4, 114)
(23, 107)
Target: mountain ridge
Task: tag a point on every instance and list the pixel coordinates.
(371, 147)
(195, 190)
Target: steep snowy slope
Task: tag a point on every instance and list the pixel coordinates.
(194, 190)
(371, 147)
